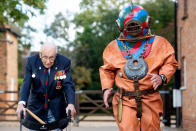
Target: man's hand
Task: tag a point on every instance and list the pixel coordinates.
(72, 108)
(19, 109)
(106, 95)
(156, 80)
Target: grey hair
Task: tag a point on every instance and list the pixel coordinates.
(48, 44)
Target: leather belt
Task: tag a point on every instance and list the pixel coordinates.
(137, 93)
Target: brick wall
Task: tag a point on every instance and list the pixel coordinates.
(187, 60)
(3, 68)
(12, 66)
(8, 71)
(3, 65)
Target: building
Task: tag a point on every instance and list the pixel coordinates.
(8, 71)
(186, 30)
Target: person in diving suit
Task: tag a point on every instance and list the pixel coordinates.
(138, 63)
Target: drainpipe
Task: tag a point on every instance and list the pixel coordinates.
(176, 91)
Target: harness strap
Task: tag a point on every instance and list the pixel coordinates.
(138, 99)
(137, 94)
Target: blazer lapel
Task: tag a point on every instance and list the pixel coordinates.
(42, 75)
(51, 76)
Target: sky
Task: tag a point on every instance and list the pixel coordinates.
(53, 8)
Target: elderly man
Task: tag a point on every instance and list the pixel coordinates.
(46, 83)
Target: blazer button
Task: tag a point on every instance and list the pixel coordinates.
(48, 100)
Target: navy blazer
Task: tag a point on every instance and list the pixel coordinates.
(32, 89)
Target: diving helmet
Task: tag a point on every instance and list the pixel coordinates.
(133, 21)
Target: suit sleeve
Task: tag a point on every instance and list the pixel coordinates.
(68, 85)
(107, 71)
(26, 85)
(169, 62)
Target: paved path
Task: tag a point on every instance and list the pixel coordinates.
(91, 125)
(84, 126)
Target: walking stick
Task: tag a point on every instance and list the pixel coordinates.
(34, 116)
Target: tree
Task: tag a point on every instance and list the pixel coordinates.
(18, 11)
(162, 13)
(97, 21)
(58, 28)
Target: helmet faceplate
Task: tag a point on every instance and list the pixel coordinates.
(135, 22)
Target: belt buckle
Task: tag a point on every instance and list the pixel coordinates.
(138, 93)
(121, 90)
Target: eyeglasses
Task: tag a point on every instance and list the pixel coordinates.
(45, 58)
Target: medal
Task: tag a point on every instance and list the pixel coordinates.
(58, 78)
(60, 75)
(59, 86)
(64, 74)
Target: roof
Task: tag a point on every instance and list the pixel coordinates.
(10, 29)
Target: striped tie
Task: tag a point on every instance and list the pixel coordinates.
(46, 88)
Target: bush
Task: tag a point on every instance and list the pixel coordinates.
(20, 80)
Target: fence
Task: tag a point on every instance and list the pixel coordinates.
(83, 96)
(8, 107)
(88, 103)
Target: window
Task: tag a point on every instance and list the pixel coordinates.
(183, 76)
(185, 10)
